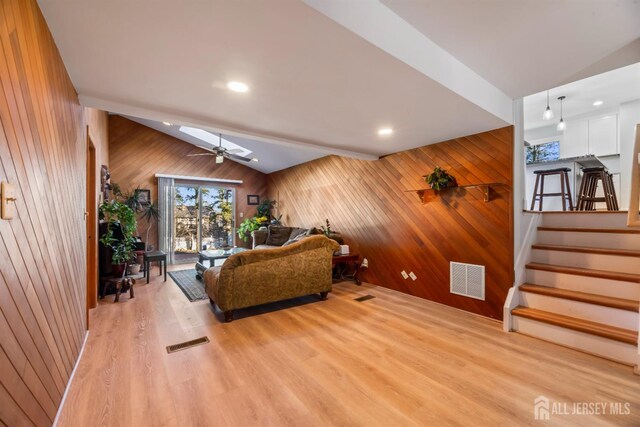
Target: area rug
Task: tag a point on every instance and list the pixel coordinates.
(192, 288)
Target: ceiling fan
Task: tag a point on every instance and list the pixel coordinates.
(220, 152)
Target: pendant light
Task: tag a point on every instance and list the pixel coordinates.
(561, 124)
(548, 114)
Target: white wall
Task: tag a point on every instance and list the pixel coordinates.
(628, 118)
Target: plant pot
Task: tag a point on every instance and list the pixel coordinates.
(118, 269)
(134, 269)
(337, 237)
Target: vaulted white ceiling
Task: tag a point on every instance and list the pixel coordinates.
(324, 75)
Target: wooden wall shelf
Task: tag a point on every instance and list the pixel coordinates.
(426, 194)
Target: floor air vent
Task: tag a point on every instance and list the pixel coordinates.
(467, 280)
(364, 298)
(187, 344)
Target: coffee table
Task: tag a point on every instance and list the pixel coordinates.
(213, 255)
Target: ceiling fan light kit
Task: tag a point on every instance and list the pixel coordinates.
(221, 152)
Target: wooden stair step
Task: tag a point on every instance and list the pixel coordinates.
(587, 250)
(592, 230)
(579, 271)
(594, 328)
(621, 303)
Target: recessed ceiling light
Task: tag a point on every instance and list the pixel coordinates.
(255, 159)
(598, 103)
(166, 123)
(238, 87)
(385, 131)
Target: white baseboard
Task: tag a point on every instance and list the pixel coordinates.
(73, 373)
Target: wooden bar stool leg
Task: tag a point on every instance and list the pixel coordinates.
(581, 195)
(563, 194)
(541, 192)
(566, 178)
(605, 189)
(611, 192)
(593, 186)
(535, 191)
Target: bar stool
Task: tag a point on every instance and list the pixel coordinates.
(150, 257)
(587, 195)
(565, 189)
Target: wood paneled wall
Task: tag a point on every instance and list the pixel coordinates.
(137, 153)
(97, 127)
(366, 201)
(42, 250)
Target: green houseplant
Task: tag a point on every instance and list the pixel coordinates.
(117, 214)
(264, 209)
(439, 179)
(249, 225)
(150, 213)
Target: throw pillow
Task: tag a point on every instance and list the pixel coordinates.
(296, 231)
(278, 235)
(313, 231)
(296, 239)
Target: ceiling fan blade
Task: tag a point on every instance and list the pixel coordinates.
(238, 158)
(201, 154)
(234, 151)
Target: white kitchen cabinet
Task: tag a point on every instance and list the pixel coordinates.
(575, 140)
(603, 136)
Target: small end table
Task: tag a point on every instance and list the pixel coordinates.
(122, 284)
(342, 262)
(158, 256)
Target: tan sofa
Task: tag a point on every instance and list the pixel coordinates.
(260, 276)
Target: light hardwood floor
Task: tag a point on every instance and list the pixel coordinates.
(392, 360)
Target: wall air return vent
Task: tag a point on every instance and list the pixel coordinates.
(467, 280)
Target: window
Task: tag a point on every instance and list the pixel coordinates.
(540, 153)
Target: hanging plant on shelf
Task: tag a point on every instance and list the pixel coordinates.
(439, 179)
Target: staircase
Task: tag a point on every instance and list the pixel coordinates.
(582, 285)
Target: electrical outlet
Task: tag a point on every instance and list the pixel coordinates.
(413, 276)
(241, 214)
(404, 274)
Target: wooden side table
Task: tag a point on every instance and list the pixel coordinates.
(158, 256)
(342, 263)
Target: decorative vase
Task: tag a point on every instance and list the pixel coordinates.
(337, 237)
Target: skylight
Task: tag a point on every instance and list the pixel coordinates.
(213, 140)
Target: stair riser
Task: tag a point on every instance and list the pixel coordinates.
(617, 263)
(598, 240)
(592, 344)
(592, 285)
(595, 313)
(602, 220)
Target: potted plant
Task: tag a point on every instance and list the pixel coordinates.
(330, 233)
(118, 215)
(249, 225)
(264, 209)
(439, 179)
(150, 213)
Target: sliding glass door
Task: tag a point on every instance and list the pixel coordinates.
(203, 219)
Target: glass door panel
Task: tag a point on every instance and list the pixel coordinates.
(203, 219)
(186, 223)
(217, 217)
